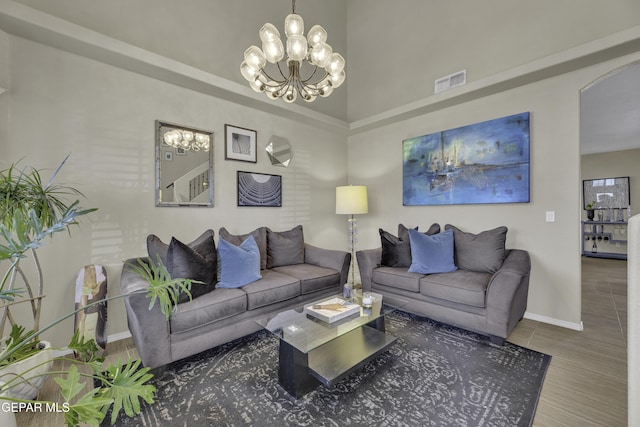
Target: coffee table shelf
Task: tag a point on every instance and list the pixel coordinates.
(335, 360)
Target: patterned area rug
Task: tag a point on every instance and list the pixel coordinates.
(434, 375)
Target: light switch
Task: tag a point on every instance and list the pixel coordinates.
(551, 216)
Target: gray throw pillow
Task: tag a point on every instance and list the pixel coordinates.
(260, 236)
(285, 247)
(396, 251)
(196, 261)
(483, 252)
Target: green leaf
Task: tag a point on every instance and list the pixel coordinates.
(86, 351)
(19, 345)
(70, 386)
(162, 288)
(125, 384)
(87, 410)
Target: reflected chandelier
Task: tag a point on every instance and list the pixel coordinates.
(187, 140)
(311, 68)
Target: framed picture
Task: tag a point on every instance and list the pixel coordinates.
(168, 156)
(486, 162)
(604, 193)
(240, 144)
(259, 189)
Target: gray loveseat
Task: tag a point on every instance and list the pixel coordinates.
(292, 273)
(487, 293)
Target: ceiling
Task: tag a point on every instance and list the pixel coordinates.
(610, 112)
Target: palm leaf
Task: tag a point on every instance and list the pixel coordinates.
(162, 288)
(125, 385)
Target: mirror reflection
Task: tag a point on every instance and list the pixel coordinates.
(184, 166)
(279, 151)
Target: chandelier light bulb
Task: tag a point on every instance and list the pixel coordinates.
(254, 57)
(297, 47)
(336, 64)
(273, 50)
(328, 90)
(337, 79)
(291, 95)
(316, 35)
(269, 32)
(259, 84)
(248, 72)
(321, 54)
(293, 25)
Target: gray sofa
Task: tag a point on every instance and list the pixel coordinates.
(487, 294)
(224, 314)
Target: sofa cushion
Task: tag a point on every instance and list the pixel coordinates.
(396, 251)
(185, 262)
(260, 236)
(483, 252)
(462, 286)
(196, 260)
(397, 277)
(239, 265)
(217, 305)
(431, 254)
(273, 287)
(285, 247)
(312, 277)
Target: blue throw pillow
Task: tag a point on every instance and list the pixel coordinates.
(239, 265)
(431, 254)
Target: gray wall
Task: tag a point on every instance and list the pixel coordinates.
(104, 117)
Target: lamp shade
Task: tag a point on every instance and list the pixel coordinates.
(352, 200)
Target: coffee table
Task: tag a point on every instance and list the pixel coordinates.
(314, 352)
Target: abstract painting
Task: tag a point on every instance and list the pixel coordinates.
(485, 162)
(259, 189)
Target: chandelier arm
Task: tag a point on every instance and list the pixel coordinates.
(315, 70)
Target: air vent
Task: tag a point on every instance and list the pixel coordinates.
(451, 81)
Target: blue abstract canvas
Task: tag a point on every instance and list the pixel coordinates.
(485, 162)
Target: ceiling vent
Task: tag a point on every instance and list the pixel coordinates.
(452, 80)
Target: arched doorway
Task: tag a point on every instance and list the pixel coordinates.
(610, 147)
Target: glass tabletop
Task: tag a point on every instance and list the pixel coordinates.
(306, 332)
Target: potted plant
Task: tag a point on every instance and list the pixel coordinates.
(590, 210)
(32, 212)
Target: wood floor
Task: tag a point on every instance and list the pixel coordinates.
(586, 384)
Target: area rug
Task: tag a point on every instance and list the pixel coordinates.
(434, 375)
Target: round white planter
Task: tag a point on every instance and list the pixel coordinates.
(31, 369)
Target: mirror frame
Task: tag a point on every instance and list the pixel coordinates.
(159, 143)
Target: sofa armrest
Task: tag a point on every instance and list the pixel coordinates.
(507, 293)
(368, 259)
(149, 327)
(328, 258)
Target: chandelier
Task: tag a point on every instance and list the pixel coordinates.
(311, 68)
(187, 140)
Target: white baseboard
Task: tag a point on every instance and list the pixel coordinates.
(119, 336)
(554, 321)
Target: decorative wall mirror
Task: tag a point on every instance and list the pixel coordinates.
(279, 151)
(184, 166)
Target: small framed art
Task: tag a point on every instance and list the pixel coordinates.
(240, 144)
(259, 189)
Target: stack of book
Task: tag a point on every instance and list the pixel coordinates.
(332, 309)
